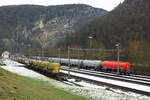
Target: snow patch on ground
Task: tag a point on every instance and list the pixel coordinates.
(91, 91)
(115, 82)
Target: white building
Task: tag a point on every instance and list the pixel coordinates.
(5, 55)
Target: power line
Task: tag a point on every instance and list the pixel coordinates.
(87, 49)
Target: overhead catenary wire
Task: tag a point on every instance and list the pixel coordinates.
(92, 49)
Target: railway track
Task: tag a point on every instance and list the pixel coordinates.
(95, 77)
(112, 76)
(71, 83)
(145, 80)
(141, 76)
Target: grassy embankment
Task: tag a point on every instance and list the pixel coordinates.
(15, 87)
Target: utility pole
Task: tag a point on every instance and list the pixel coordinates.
(78, 57)
(28, 48)
(59, 54)
(90, 38)
(17, 35)
(42, 53)
(118, 54)
(69, 61)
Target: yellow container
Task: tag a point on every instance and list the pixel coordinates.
(44, 64)
(55, 71)
(49, 66)
(55, 65)
(38, 62)
(56, 68)
(53, 68)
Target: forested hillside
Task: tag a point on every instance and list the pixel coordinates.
(128, 24)
(33, 26)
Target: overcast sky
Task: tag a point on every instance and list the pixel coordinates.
(105, 4)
